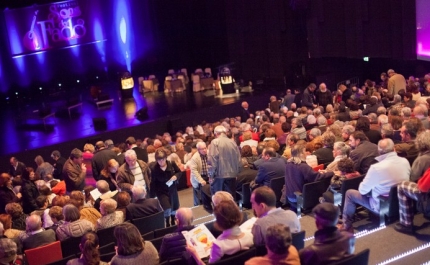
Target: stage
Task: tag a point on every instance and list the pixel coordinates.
(28, 134)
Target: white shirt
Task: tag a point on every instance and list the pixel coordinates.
(138, 176)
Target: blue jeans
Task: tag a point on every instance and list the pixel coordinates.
(197, 195)
(224, 184)
(352, 198)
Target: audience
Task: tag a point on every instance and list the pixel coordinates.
(35, 235)
(110, 217)
(89, 247)
(73, 226)
(141, 206)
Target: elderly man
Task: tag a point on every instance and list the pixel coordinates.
(105, 193)
(263, 201)
(421, 113)
(330, 244)
(396, 82)
(35, 235)
(363, 152)
(101, 158)
(244, 112)
(141, 206)
(410, 191)
(408, 132)
(133, 172)
(74, 171)
(223, 162)
(389, 171)
(347, 130)
(173, 245)
(340, 151)
(16, 167)
(323, 96)
(198, 165)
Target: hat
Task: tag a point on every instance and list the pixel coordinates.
(56, 153)
(7, 248)
(326, 211)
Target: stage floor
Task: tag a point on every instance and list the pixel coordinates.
(24, 130)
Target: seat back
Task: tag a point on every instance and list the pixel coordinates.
(389, 206)
(149, 235)
(312, 191)
(298, 239)
(357, 259)
(62, 261)
(319, 167)
(215, 232)
(149, 223)
(107, 248)
(276, 185)
(239, 258)
(38, 256)
(107, 257)
(106, 236)
(164, 231)
(171, 72)
(178, 261)
(157, 242)
(246, 195)
(70, 246)
(348, 184)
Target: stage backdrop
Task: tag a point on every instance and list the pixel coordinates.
(57, 25)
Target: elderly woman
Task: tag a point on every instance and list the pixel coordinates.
(133, 172)
(340, 150)
(110, 216)
(29, 190)
(232, 239)
(73, 226)
(88, 213)
(109, 173)
(220, 196)
(18, 216)
(165, 175)
(7, 195)
(131, 248)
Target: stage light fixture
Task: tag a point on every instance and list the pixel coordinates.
(16, 93)
(77, 81)
(97, 77)
(7, 98)
(59, 84)
(40, 88)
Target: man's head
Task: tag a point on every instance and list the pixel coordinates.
(409, 130)
(268, 153)
(263, 199)
(312, 87)
(420, 112)
(219, 130)
(100, 145)
(245, 105)
(130, 141)
(314, 132)
(341, 149)
(102, 186)
(347, 130)
(292, 139)
(184, 217)
(13, 161)
(323, 87)
(326, 215)
(356, 138)
(55, 155)
(109, 144)
(201, 148)
(278, 239)
(33, 222)
(391, 72)
(76, 156)
(139, 192)
(385, 146)
(130, 158)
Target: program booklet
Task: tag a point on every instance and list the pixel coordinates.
(201, 239)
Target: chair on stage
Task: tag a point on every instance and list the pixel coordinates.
(141, 85)
(198, 71)
(185, 72)
(168, 84)
(155, 82)
(182, 78)
(208, 72)
(196, 83)
(171, 72)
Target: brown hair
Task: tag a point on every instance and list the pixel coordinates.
(4, 179)
(123, 199)
(60, 200)
(246, 151)
(227, 215)
(14, 209)
(129, 240)
(6, 220)
(56, 212)
(89, 247)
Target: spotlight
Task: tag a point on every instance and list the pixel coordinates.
(77, 81)
(16, 93)
(40, 88)
(59, 84)
(97, 77)
(7, 98)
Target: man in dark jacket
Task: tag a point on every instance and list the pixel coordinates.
(16, 167)
(100, 159)
(141, 207)
(173, 245)
(58, 165)
(363, 153)
(271, 167)
(36, 236)
(74, 171)
(141, 153)
(330, 244)
(309, 99)
(323, 96)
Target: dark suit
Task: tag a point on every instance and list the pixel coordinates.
(173, 245)
(141, 154)
(246, 175)
(269, 169)
(18, 171)
(324, 156)
(142, 208)
(100, 160)
(244, 115)
(374, 136)
(40, 239)
(58, 168)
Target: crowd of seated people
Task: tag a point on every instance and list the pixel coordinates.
(379, 131)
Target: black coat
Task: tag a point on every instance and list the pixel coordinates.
(244, 115)
(324, 156)
(168, 196)
(141, 154)
(18, 171)
(58, 168)
(6, 196)
(142, 208)
(29, 193)
(100, 160)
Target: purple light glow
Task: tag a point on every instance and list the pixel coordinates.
(423, 29)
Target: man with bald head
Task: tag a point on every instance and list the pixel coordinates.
(103, 187)
(35, 235)
(389, 171)
(174, 244)
(244, 113)
(101, 158)
(198, 165)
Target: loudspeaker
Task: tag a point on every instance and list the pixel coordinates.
(100, 124)
(142, 114)
(175, 125)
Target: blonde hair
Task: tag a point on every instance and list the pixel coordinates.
(220, 196)
(89, 147)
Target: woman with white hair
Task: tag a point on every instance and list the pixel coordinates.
(340, 151)
(110, 216)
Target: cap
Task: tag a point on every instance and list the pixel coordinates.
(56, 153)
(326, 211)
(7, 248)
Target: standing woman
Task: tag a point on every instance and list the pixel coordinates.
(7, 194)
(109, 173)
(165, 175)
(29, 190)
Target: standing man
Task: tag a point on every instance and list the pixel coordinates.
(395, 82)
(223, 162)
(141, 153)
(16, 167)
(309, 99)
(324, 96)
(133, 172)
(101, 158)
(74, 171)
(198, 165)
(244, 113)
(289, 99)
(58, 165)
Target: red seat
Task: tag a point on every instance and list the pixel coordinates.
(319, 167)
(38, 256)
